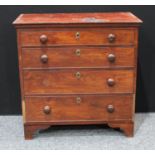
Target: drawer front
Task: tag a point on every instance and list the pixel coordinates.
(78, 81)
(78, 57)
(74, 108)
(78, 37)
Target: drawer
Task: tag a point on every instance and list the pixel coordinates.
(77, 37)
(78, 81)
(78, 57)
(78, 108)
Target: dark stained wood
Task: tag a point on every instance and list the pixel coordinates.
(86, 37)
(78, 57)
(78, 68)
(66, 81)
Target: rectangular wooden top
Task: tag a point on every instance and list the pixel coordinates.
(77, 18)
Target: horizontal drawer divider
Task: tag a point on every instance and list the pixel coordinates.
(75, 94)
(60, 46)
(84, 45)
(83, 68)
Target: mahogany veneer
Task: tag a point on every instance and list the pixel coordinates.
(77, 36)
(77, 68)
(94, 57)
(69, 82)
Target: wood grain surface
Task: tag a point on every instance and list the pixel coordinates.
(88, 36)
(78, 57)
(65, 81)
(78, 68)
(91, 107)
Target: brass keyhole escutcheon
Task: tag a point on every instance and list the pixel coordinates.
(78, 52)
(78, 75)
(78, 100)
(77, 35)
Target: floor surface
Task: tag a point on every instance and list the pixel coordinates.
(78, 137)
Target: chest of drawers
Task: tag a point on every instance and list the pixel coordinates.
(77, 68)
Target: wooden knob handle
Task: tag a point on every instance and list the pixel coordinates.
(43, 39)
(47, 110)
(111, 82)
(111, 57)
(110, 108)
(44, 58)
(111, 38)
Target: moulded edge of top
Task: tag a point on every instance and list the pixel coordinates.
(77, 18)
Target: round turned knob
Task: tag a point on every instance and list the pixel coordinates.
(44, 58)
(111, 38)
(43, 39)
(47, 109)
(111, 57)
(111, 82)
(110, 108)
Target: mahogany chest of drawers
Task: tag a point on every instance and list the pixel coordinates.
(77, 68)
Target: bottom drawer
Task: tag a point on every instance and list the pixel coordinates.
(78, 108)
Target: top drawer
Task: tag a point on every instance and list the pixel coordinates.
(109, 36)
